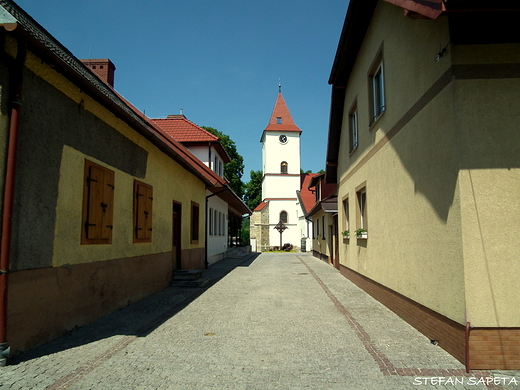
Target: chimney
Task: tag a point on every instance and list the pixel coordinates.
(103, 68)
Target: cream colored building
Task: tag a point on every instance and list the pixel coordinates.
(280, 183)
(424, 144)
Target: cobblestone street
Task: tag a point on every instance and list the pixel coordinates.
(276, 321)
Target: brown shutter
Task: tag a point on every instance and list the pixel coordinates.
(143, 201)
(98, 204)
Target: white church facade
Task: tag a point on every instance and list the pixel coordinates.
(281, 183)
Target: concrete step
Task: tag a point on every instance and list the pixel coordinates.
(199, 283)
(187, 275)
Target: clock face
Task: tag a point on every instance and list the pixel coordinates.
(283, 139)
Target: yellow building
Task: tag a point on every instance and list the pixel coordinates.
(103, 205)
(425, 149)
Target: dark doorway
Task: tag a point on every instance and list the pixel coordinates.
(176, 235)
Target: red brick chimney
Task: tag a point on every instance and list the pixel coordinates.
(103, 68)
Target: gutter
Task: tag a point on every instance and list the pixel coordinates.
(8, 201)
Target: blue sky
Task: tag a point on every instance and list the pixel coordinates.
(218, 60)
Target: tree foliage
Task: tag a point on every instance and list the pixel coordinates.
(310, 171)
(233, 170)
(253, 190)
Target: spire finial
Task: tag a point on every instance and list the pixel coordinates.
(279, 86)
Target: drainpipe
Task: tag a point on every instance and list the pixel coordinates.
(7, 221)
(466, 358)
(206, 265)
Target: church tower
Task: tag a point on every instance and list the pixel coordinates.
(281, 173)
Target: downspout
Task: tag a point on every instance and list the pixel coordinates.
(206, 265)
(466, 357)
(7, 221)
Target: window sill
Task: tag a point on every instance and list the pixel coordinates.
(375, 120)
(351, 152)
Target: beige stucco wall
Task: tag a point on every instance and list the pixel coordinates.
(413, 206)
(490, 188)
(169, 180)
(440, 188)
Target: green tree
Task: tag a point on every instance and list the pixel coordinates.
(233, 170)
(253, 192)
(310, 171)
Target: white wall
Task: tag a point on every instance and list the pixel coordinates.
(274, 152)
(217, 240)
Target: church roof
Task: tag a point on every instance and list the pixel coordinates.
(281, 119)
(261, 206)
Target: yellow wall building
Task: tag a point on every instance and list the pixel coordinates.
(425, 149)
(106, 206)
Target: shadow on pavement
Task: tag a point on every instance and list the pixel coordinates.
(140, 318)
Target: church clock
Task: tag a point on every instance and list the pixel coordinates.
(283, 139)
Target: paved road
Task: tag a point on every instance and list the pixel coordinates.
(276, 321)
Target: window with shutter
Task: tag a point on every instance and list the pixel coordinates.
(98, 204)
(143, 200)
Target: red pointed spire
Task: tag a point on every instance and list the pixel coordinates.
(281, 119)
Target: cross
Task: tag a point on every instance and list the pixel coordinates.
(280, 227)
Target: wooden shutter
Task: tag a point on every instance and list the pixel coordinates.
(98, 204)
(143, 200)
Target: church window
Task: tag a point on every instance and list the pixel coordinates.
(279, 120)
(283, 216)
(284, 167)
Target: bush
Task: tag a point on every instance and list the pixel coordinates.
(287, 247)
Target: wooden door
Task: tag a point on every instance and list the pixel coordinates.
(176, 236)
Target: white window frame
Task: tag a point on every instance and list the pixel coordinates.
(353, 130)
(377, 80)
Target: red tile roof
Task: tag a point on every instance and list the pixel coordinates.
(184, 130)
(281, 114)
(188, 133)
(261, 206)
(307, 196)
(431, 9)
(181, 154)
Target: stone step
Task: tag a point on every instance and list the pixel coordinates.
(201, 282)
(187, 275)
